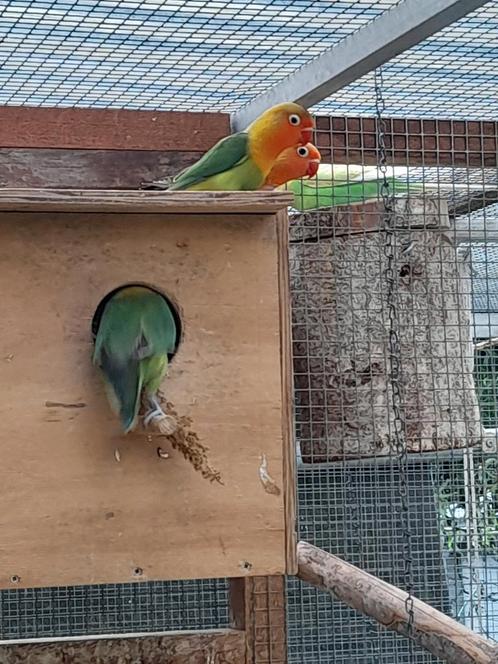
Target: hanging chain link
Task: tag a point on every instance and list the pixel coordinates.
(399, 424)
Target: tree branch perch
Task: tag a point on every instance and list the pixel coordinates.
(433, 630)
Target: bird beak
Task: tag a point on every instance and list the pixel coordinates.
(313, 168)
(306, 135)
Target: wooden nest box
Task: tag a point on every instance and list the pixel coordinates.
(80, 503)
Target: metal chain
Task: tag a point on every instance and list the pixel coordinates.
(395, 378)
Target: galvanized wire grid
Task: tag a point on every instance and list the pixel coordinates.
(349, 500)
(172, 55)
(349, 506)
(113, 609)
(216, 55)
(450, 75)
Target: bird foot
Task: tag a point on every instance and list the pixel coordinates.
(166, 424)
(153, 414)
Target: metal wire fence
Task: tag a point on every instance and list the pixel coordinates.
(171, 55)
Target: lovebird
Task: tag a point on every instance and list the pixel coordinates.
(292, 164)
(341, 184)
(242, 161)
(136, 336)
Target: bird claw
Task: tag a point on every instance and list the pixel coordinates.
(166, 424)
(153, 414)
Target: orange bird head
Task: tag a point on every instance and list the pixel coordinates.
(294, 163)
(282, 126)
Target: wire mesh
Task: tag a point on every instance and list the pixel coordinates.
(336, 503)
(443, 178)
(216, 55)
(450, 75)
(113, 609)
(170, 55)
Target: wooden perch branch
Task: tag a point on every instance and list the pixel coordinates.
(438, 633)
(487, 343)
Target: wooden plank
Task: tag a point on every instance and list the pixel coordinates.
(439, 634)
(258, 607)
(409, 142)
(287, 395)
(69, 512)
(110, 129)
(223, 645)
(89, 169)
(237, 602)
(130, 201)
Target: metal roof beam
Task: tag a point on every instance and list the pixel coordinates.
(395, 31)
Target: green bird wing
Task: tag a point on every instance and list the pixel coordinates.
(345, 185)
(133, 328)
(227, 153)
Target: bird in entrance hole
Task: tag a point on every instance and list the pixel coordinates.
(242, 161)
(136, 336)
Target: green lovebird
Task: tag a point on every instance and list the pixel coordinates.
(136, 336)
(339, 184)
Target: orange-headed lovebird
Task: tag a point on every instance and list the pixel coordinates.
(242, 161)
(292, 164)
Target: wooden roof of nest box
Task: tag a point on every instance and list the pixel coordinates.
(72, 510)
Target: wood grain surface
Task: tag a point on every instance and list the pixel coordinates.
(71, 513)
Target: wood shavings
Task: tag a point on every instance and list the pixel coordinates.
(187, 442)
(117, 455)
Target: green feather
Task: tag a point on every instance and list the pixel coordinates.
(137, 331)
(228, 153)
(344, 185)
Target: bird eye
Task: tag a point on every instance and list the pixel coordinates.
(294, 120)
(302, 151)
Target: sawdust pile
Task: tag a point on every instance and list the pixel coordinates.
(183, 439)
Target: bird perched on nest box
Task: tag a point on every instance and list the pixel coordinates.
(292, 164)
(136, 335)
(242, 161)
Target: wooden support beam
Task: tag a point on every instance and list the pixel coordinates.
(222, 645)
(133, 151)
(57, 168)
(108, 129)
(439, 634)
(166, 202)
(257, 605)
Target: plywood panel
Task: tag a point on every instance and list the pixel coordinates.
(69, 512)
(89, 169)
(224, 645)
(111, 129)
(88, 200)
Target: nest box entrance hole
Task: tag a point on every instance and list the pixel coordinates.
(97, 316)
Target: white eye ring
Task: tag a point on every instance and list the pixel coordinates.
(294, 120)
(303, 151)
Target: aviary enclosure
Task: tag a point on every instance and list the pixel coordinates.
(338, 354)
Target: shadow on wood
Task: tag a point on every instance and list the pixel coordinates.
(433, 630)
